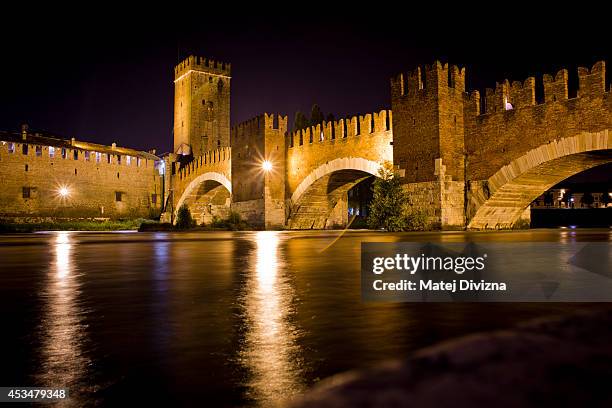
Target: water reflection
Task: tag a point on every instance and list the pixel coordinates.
(269, 351)
(62, 361)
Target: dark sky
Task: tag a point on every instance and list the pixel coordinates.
(110, 78)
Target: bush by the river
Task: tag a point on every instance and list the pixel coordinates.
(73, 225)
(233, 223)
(390, 208)
(184, 219)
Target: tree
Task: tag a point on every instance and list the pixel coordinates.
(390, 206)
(300, 122)
(316, 115)
(183, 218)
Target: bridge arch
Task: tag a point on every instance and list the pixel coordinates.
(500, 201)
(207, 195)
(317, 202)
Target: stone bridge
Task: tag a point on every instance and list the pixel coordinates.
(479, 162)
(325, 161)
(204, 185)
(518, 149)
(467, 160)
(312, 171)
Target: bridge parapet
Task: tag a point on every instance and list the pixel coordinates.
(328, 132)
(508, 121)
(365, 136)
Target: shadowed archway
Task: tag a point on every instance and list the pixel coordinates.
(207, 196)
(320, 200)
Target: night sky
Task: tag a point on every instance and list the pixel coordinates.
(111, 79)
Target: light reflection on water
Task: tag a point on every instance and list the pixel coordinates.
(269, 350)
(62, 361)
(231, 319)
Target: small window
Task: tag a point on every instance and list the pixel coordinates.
(38, 151)
(118, 196)
(26, 167)
(64, 152)
(128, 160)
(75, 154)
(87, 153)
(153, 198)
(98, 157)
(138, 161)
(108, 158)
(75, 172)
(24, 148)
(11, 147)
(51, 151)
(218, 143)
(25, 192)
(118, 159)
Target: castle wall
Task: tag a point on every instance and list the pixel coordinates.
(96, 188)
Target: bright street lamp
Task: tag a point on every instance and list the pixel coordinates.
(63, 192)
(266, 165)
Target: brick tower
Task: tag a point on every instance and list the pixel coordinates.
(428, 139)
(258, 193)
(201, 105)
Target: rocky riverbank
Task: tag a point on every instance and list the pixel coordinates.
(554, 362)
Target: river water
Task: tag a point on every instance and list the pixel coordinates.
(217, 318)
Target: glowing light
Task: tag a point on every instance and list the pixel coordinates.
(270, 344)
(62, 254)
(267, 263)
(63, 192)
(266, 165)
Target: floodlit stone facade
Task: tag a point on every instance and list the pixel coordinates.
(46, 177)
(467, 160)
(201, 105)
(479, 161)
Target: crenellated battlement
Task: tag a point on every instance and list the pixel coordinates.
(201, 64)
(259, 124)
(328, 132)
(513, 122)
(212, 157)
(592, 83)
(428, 78)
(516, 95)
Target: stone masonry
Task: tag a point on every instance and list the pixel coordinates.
(46, 177)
